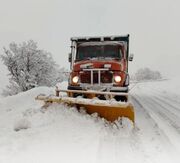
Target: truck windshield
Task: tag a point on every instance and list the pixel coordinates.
(98, 51)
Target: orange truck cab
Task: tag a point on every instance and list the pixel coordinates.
(100, 64)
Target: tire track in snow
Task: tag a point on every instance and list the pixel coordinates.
(172, 117)
(174, 104)
(163, 112)
(169, 132)
(120, 144)
(175, 110)
(154, 139)
(159, 105)
(144, 115)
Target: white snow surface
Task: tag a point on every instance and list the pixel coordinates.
(32, 134)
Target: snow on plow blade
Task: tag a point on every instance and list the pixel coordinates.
(111, 110)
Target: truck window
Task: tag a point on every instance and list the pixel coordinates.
(98, 51)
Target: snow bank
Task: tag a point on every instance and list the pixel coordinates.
(22, 124)
(56, 134)
(63, 134)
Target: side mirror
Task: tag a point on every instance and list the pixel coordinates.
(70, 57)
(131, 56)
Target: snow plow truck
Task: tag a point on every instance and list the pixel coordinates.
(99, 79)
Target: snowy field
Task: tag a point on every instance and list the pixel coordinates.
(30, 134)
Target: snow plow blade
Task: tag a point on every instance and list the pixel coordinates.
(108, 109)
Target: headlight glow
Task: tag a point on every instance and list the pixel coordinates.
(75, 79)
(117, 78)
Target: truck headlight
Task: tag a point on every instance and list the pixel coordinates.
(75, 79)
(117, 78)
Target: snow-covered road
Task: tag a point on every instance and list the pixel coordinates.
(62, 134)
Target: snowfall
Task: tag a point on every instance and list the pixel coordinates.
(61, 134)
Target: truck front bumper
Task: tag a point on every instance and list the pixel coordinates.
(100, 88)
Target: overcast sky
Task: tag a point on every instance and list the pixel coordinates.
(154, 27)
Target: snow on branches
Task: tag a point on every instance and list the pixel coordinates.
(29, 67)
(146, 74)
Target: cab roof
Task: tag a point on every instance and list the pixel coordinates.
(102, 38)
(101, 43)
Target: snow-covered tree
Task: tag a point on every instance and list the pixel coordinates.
(62, 75)
(146, 74)
(29, 67)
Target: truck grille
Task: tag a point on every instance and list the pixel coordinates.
(99, 76)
